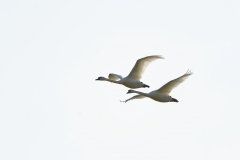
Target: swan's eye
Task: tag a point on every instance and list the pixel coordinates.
(141, 82)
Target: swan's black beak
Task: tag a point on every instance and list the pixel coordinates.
(97, 79)
(146, 86)
(174, 100)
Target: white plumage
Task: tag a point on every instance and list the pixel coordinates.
(162, 94)
(134, 77)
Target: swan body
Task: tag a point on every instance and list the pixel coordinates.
(161, 94)
(134, 77)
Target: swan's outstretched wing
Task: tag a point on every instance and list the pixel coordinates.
(134, 97)
(168, 87)
(141, 65)
(114, 77)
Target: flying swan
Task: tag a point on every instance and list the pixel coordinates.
(162, 94)
(133, 79)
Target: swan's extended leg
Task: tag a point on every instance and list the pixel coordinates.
(174, 100)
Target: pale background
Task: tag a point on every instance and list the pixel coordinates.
(51, 52)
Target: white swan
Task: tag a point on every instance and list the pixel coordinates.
(162, 94)
(133, 79)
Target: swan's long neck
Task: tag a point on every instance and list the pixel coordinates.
(141, 93)
(109, 80)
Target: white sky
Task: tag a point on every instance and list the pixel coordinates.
(52, 108)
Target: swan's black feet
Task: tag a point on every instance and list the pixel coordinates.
(174, 100)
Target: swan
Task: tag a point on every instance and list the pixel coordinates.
(161, 94)
(133, 79)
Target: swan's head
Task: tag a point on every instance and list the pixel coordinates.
(100, 78)
(144, 85)
(130, 91)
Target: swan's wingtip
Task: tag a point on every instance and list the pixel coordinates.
(189, 72)
(161, 57)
